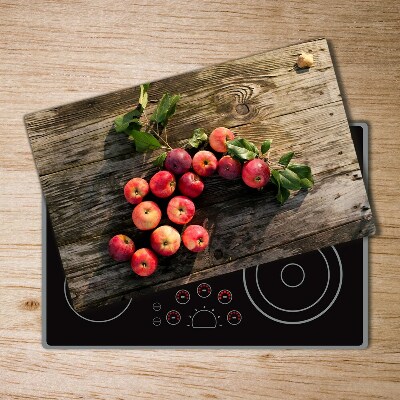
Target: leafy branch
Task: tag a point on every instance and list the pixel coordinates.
(147, 133)
(150, 133)
(286, 176)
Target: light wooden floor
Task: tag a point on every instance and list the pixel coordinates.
(55, 52)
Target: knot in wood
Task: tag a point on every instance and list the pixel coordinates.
(242, 109)
(218, 254)
(31, 305)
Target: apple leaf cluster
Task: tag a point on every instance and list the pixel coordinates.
(199, 137)
(143, 131)
(285, 177)
(146, 134)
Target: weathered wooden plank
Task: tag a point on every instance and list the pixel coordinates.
(83, 165)
(95, 191)
(266, 83)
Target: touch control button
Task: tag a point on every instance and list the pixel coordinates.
(156, 306)
(224, 296)
(156, 321)
(234, 317)
(182, 296)
(204, 290)
(173, 317)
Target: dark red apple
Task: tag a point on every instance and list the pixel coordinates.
(162, 184)
(190, 185)
(178, 161)
(256, 173)
(195, 238)
(229, 168)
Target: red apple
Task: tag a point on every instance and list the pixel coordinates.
(135, 190)
(178, 161)
(195, 238)
(229, 168)
(256, 173)
(204, 163)
(180, 210)
(162, 184)
(121, 248)
(218, 139)
(144, 262)
(165, 240)
(146, 215)
(190, 185)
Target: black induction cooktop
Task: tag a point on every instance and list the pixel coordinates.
(317, 299)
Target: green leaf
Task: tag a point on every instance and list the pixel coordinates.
(165, 109)
(144, 141)
(199, 136)
(244, 143)
(240, 152)
(285, 159)
(282, 195)
(159, 161)
(242, 149)
(265, 146)
(275, 177)
(121, 123)
(306, 183)
(172, 107)
(135, 125)
(304, 173)
(144, 97)
(289, 180)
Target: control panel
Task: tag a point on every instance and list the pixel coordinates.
(202, 309)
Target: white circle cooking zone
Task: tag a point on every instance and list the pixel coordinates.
(88, 319)
(293, 275)
(292, 268)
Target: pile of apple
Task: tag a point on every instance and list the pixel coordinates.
(166, 240)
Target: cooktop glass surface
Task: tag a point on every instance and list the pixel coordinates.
(316, 299)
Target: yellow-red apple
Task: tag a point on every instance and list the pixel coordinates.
(121, 247)
(204, 163)
(165, 240)
(219, 137)
(135, 190)
(144, 262)
(146, 215)
(180, 210)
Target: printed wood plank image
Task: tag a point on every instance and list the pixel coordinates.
(83, 165)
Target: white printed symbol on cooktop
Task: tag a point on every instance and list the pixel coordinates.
(204, 318)
(296, 292)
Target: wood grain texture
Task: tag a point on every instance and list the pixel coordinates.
(83, 172)
(57, 52)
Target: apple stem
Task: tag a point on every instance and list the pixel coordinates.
(156, 132)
